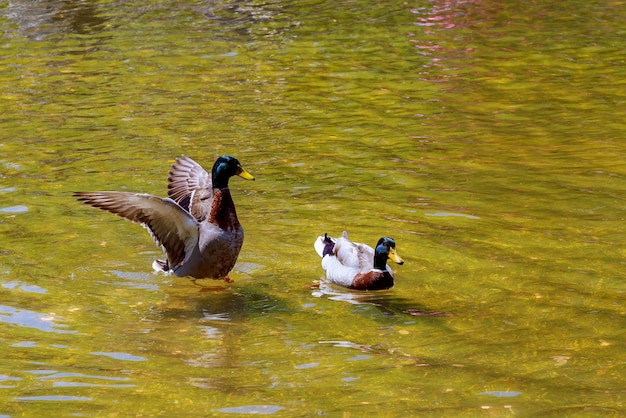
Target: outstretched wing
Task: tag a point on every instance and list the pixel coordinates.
(188, 180)
(169, 224)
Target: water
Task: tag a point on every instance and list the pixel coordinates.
(486, 138)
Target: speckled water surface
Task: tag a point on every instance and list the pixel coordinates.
(486, 137)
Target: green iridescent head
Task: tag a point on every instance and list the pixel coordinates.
(386, 249)
(224, 168)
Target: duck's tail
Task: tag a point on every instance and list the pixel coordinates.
(324, 245)
(161, 266)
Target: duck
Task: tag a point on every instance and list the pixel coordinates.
(355, 265)
(196, 225)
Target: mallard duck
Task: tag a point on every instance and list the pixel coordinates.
(357, 266)
(196, 225)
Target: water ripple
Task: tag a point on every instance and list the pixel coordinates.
(119, 356)
(23, 286)
(252, 409)
(53, 398)
(14, 209)
(31, 319)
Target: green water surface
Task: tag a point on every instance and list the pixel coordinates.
(486, 137)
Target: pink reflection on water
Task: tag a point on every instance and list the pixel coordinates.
(435, 39)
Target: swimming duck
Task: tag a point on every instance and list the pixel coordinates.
(196, 225)
(357, 266)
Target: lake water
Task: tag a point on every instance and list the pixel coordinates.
(486, 137)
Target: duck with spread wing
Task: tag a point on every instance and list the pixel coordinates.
(196, 224)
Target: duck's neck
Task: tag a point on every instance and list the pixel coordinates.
(380, 259)
(223, 212)
(219, 176)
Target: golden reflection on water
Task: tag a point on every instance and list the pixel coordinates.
(482, 136)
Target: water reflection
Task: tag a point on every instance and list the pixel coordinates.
(385, 301)
(40, 19)
(447, 52)
(14, 209)
(6, 378)
(31, 319)
(119, 356)
(136, 280)
(217, 323)
(70, 379)
(355, 297)
(53, 374)
(450, 14)
(53, 398)
(24, 287)
(263, 19)
(534, 284)
(251, 409)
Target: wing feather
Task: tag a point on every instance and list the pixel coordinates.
(186, 179)
(354, 254)
(169, 224)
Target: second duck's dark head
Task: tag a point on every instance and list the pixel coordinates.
(386, 248)
(224, 168)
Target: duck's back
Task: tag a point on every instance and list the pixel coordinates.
(353, 254)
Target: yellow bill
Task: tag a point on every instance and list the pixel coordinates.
(241, 172)
(394, 256)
